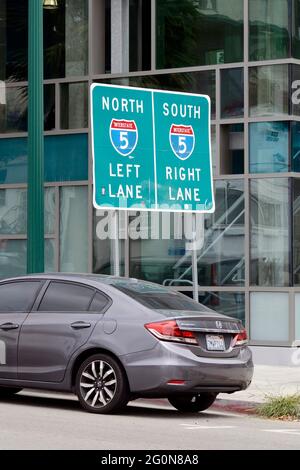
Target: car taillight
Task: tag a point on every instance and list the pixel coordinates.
(240, 339)
(169, 331)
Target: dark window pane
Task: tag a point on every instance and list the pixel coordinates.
(49, 107)
(13, 40)
(74, 105)
(295, 90)
(65, 39)
(14, 108)
(232, 149)
(64, 297)
(232, 93)
(192, 82)
(199, 32)
(18, 296)
(139, 35)
(295, 156)
(269, 90)
(221, 262)
(228, 303)
(296, 30)
(270, 232)
(269, 147)
(269, 29)
(99, 302)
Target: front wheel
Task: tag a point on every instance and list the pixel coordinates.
(193, 403)
(101, 385)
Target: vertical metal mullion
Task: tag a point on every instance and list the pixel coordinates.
(153, 35)
(126, 245)
(57, 107)
(218, 155)
(57, 229)
(247, 240)
(90, 192)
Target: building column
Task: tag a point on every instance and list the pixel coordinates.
(35, 198)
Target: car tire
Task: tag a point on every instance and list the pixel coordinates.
(9, 391)
(101, 385)
(193, 403)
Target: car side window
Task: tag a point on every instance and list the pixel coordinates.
(66, 297)
(99, 302)
(18, 296)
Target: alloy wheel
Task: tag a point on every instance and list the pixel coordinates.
(98, 384)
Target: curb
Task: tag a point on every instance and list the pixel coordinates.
(236, 406)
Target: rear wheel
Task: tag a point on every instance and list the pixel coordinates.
(101, 385)
(8, 391)
(193, 403)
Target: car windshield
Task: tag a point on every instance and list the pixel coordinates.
(159, 298)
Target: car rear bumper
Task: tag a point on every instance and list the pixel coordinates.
(150, 372)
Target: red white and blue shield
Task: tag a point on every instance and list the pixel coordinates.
(123, 136)
(182, 140)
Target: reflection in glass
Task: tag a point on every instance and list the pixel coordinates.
(269, 147)
(159, 253)
(232, 149)
(13, 258)
(49, 255)
(74, 105)
(232, 93)
(13, 207)
(269, 90)
(74, 229)
(297, 316)
(228, 303)
(221, 261)
(199, 33)
(269, 316)
(192, 82)
(49, 210)
(269, 212)
(296, 231)
(103, 249)
(269, 29)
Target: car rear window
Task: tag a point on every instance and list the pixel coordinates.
(163, 300)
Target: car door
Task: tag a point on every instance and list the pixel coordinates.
(16, 300)
(61, 323)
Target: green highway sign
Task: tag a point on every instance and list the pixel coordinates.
(151, 150)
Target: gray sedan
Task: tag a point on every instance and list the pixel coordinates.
(111, 340)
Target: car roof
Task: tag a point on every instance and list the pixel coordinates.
(91, 279)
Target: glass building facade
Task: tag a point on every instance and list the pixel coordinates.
(244, 54)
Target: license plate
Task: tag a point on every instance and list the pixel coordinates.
(215, 343)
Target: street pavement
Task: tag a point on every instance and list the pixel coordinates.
(35, 420)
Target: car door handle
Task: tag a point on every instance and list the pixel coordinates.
(78, 325)
(9, 326)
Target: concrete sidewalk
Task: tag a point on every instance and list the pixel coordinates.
(267, 380)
